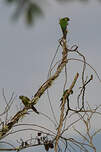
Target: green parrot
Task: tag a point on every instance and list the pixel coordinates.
(63, 23)
(27, 102)
(68, 94)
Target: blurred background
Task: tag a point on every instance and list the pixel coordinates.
(29, 34)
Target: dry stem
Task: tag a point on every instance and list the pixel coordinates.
(62, 111)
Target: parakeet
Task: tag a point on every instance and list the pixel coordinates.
(27, 102)
(68, 94)
(67, 98)
(63, 23)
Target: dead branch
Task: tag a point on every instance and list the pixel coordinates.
(62, 111)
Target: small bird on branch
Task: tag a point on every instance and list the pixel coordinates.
(63, 24)
(27, 103)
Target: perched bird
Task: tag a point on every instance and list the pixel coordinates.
(67, 96)
(63, 23)
(27, 102)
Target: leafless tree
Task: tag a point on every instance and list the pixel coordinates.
(64, 117)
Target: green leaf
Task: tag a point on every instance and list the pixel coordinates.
(33, 11)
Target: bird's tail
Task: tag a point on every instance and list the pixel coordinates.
(34, 109)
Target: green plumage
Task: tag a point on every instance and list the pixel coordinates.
(63, 23)
(27, 102)
(67, 98)
(64, 94)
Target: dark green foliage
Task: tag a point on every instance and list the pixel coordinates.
(32, 11)
(10, 1)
